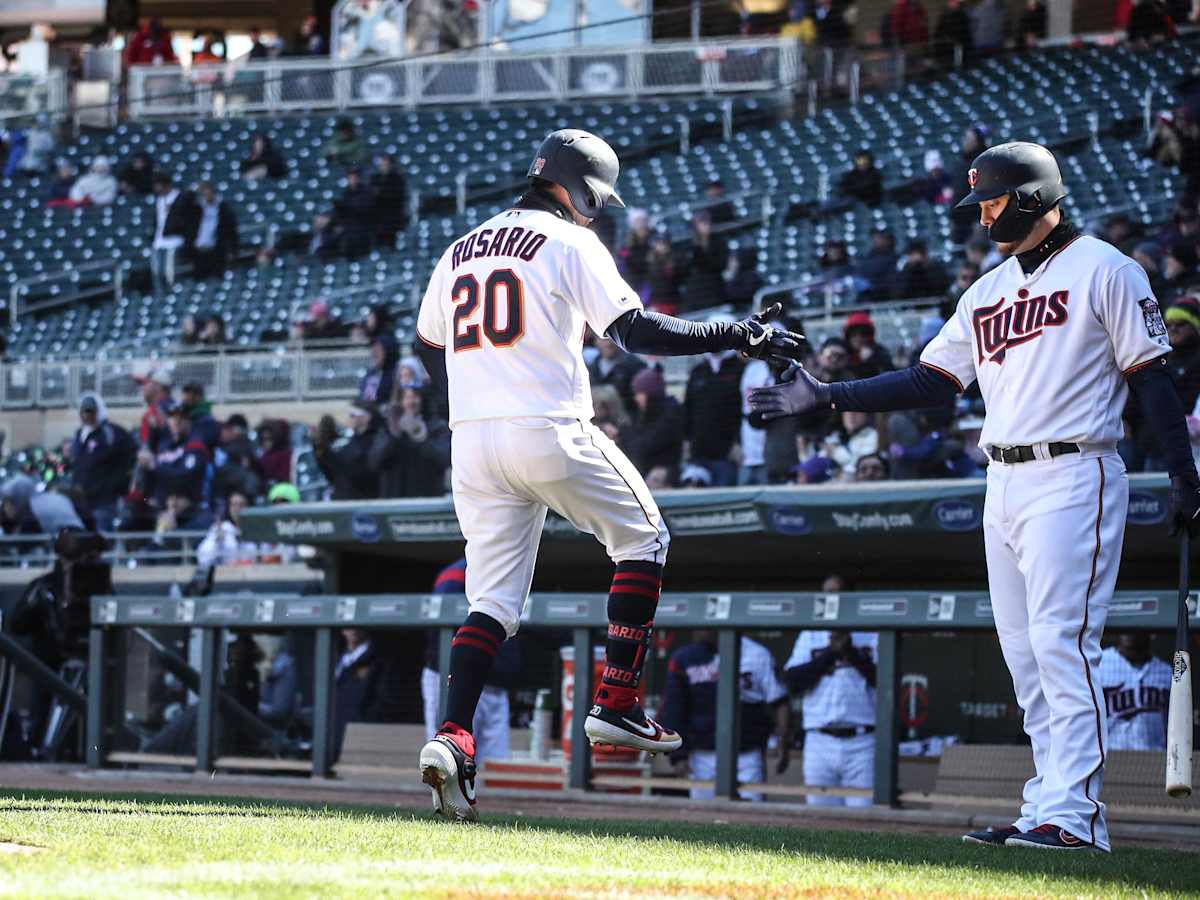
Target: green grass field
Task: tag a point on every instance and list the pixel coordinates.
(154, 846)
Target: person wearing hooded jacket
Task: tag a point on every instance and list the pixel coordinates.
(656, 437)
(102, 455)
(712, 411)
(98, 187)
(376, 384)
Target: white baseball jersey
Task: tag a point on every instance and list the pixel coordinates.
(1136, 699)
(757, 682)
(754, 440)
(842, 697)
(1050, 349)
(508, 302)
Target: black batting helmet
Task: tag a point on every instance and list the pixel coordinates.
(1028, 173)
(584, 165)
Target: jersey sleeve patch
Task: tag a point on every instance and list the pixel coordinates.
(1152, 316)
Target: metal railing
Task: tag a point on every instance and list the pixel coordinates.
(23, 95)
(481, 76)
(892, 614)
(229, 375)
(129, 549)
(42, 292)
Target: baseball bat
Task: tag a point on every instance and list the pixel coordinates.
(1179, 710)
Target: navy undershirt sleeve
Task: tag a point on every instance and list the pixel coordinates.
(919, 387)
(1159, 400)
(644, 331)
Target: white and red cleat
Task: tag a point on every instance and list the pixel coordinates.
(631, 729)
(448, 767)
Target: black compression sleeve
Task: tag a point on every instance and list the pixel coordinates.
(641, 331)
(1164, 413)
(919, 387)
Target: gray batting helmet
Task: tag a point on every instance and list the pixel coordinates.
(584, 165)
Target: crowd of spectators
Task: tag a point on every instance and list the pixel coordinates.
(179, 470)
(965, 31)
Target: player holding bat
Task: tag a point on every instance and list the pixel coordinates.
(1056, 336)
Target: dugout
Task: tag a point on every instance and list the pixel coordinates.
(743, 560)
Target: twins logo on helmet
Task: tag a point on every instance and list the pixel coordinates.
(972, 178)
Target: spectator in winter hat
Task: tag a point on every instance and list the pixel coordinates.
(935, 186)
(1183, 330)
(656, 436)
(867, 357)
(814, 470)
(102, 457)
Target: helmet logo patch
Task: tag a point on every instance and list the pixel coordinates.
(972, 178)
(538, 165)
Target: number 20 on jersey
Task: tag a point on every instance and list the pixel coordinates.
(501, 292)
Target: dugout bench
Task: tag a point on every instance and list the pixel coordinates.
(890, 613)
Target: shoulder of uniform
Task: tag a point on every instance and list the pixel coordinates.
(1102, 254)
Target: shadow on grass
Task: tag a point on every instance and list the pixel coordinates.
(1171, 871)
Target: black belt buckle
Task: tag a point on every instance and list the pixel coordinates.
(1024, 452)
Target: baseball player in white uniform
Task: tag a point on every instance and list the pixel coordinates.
(1055, 335)
(835, 675)
(690, 706)
(490, 724)
(507, 306)
(1137, 687)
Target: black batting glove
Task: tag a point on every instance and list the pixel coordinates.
(796, 393)
(754, 338)
(1184, 504)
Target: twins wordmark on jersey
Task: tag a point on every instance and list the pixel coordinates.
(1003, 325)
(1050, 348)
(1136, 699)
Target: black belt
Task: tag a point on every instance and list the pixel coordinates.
(848, 732)
(1025, 453)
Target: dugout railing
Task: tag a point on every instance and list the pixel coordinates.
(889, 613)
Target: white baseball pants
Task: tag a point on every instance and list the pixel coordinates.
(490, 726)
(1053, 530)
(702, 766)
(839, 762)
(506, 473)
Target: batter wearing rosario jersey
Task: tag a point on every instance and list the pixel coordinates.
(507, 307)
(1137, 688)
(1056, 335)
